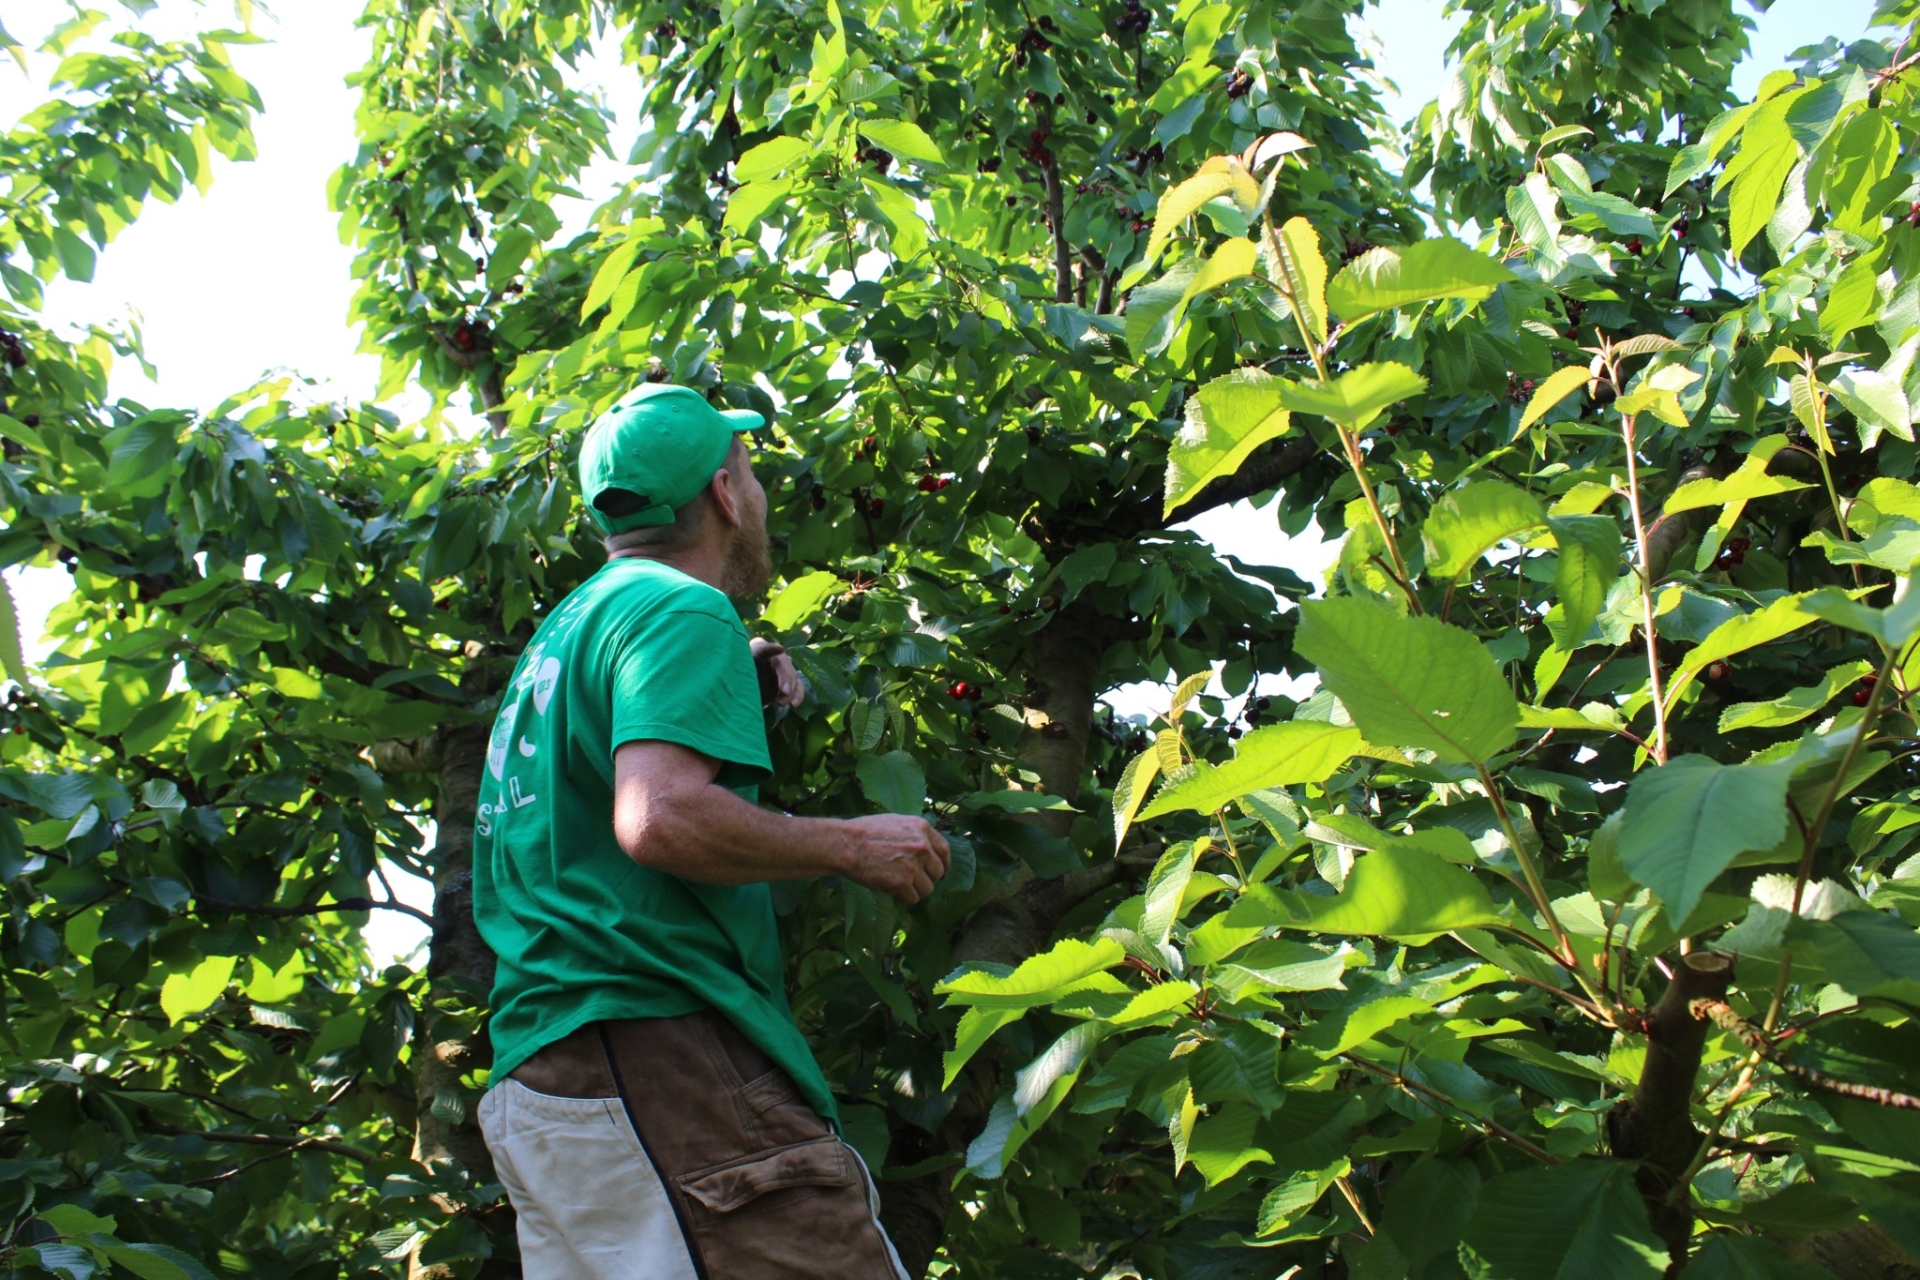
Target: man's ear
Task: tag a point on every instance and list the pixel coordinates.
(726, 498)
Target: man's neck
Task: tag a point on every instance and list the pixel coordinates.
(699, 563)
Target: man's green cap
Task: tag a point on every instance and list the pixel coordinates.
(653, 453)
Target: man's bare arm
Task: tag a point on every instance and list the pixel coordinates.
(669, 814)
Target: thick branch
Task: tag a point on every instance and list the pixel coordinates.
(1655, 1125)
(1261, 472)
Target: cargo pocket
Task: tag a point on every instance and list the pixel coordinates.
(824, 1162)
(797, 1212)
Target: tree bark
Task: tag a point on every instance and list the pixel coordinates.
(460, 972)
(1655, 1126)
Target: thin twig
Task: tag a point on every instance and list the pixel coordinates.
(1728, 1019)
(1490, 1126)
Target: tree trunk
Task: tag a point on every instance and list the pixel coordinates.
(1059, 716)
(460, 972)
(1654, 1126)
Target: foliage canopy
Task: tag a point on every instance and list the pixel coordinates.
(1567, 928)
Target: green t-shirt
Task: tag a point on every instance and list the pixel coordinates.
(639, 652)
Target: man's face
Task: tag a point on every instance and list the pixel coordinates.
(749, 556)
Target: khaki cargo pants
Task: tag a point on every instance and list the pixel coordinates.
(671, 1149)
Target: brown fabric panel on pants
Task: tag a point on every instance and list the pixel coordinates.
(765, 1187)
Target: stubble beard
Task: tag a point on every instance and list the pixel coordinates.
(749, 566)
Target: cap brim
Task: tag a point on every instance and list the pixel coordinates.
(743, 419)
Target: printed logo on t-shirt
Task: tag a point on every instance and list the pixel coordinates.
(534, 681)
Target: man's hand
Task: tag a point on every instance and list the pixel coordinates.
(780, 683)
(895, 855)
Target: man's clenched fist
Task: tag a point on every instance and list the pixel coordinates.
(895, 855)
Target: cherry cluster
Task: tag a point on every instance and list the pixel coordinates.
(1733, 553)
(12, 349)
(667, 31)
(1913, 215)
(1239, 84)
(1355, 247)
(880, 160)
(1134, 20)
(1036, 151)
(931, 483)
(1031, 42)
(1519, 390)
(1864, 693)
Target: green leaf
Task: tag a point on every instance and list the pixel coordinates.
(1131, 791)
(1430, 1205)
(1876, 400)
(903, 139)
(1853, 299)
(1738, 634)
(1039, 1086)
(1870, 954)
(1070, 966)
(1413, 682)
(1226, 421)
(1165, 888)
(977, 1026)
(1403, 893)
(1283, 1205)
(184, 994)
(1560, 384)
(140, 457)
(796, 601)
(1220, 176)
(1223, 1143)
(429, 493)
(76, 255)
(896, 208)
(1397, 277)
(1582, 1220)
(1892, 626)
(1724, 1256)
(1794, 705)
(1231, 260)
(771, 158)
(613, 269)
(893, 781)
(1687, 821)
(157, 1262)
(751, 200)
(1301, 271)
(1357, 396)
(72, 1220)
(1534, 209)
(13, 660)
(1154, 310)
(1467, 523)
(1280, 755)
(1589, 566)
(1620, 217)
(1742, 486)
(1756, 189)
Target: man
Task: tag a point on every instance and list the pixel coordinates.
(655, 1114)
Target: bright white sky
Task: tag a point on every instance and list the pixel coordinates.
(253, 277)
